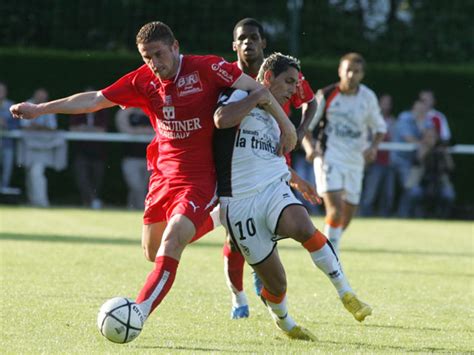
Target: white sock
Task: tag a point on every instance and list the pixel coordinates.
(279, 313)
(327, 262)
(334, 235)
(239, 299)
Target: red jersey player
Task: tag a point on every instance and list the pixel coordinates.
(179, 94)
(249, 43)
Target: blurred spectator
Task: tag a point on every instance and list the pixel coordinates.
(409, 129)
(7, 123)
(134, 166)
(40, 147)
(431, 192)
(379, 182)
(89, 156)
(436, 118)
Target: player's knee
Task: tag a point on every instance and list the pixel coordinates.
(335, 215)
(172, 246)
(303, 231)
(149, 253)
(174, 243)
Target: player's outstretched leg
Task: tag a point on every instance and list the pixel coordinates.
(278, 309)
(178, 233)
(158, 284)
(233, 270)
(325, 258)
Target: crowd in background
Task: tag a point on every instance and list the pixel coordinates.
(406, 183)
(36, 152)
(399, 183)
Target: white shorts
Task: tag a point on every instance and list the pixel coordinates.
(252, 221)
(334, 177)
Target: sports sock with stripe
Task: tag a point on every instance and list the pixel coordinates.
(325, 258)
(158, 284)
(278, 309)
(233, 268)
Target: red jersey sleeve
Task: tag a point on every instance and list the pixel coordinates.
(221, 72)
(125, 91)
(303, 93)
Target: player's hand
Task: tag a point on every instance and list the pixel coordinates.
(263, 95)
(370, 154)
(25, 110)
(306, 189)
(287, 139)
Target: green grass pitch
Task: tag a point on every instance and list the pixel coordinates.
(59, 265)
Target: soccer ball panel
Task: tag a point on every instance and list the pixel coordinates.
(114, 330)
(120, 320)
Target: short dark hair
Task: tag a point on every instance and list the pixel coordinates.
(353, 57)
(155, 31)
(278, 63)
(248, 21)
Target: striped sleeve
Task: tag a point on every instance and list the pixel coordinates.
(230, 95)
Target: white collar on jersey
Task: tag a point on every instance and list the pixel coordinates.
(179, 68)
(177, 72)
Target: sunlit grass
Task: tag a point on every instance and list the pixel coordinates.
(58, 266)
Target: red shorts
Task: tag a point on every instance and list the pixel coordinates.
(166, 198)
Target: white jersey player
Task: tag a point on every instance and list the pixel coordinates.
(246, 155)
(346, 111)
(257, 206)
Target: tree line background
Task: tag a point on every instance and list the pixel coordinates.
(393, 30)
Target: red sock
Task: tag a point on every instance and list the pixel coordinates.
(234, 267)
(157, 284)
(204, 228)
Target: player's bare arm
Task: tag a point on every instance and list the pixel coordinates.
(232, 114)
(371, 153)
(307, 190)
(308, 110)
(308, 142)
(308, 145)
(288, 131)
(79, 103)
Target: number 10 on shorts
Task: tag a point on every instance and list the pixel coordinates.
(249, 226)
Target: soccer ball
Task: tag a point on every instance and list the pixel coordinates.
(120, 320)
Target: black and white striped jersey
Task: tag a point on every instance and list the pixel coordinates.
(246, 155)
